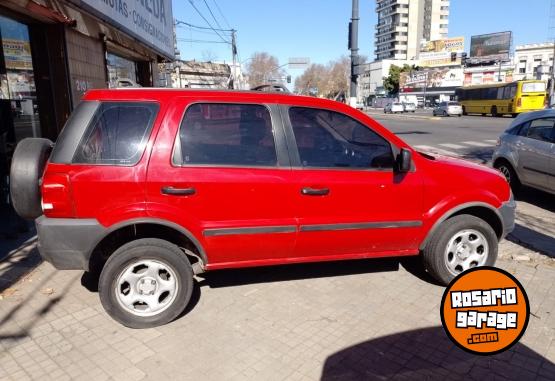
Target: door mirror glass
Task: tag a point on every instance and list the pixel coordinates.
(404, 159)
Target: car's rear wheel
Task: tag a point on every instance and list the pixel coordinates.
(460, 243)
(28, 162)
(146, 283)
(508, 171)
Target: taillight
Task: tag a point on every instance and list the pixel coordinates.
(56, 196)
(519, 102)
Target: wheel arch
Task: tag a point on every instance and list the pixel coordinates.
(480, 210)
(119, 234)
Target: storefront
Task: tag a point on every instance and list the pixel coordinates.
(53, 51)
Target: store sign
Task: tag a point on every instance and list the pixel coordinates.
(453, 44)
(17, 54)
(431, 59)
(150, 21)
(433, 78)
(490, 47)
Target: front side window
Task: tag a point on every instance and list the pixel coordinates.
(117, 133)
(327, 139)
(227, 134)
(541, 129)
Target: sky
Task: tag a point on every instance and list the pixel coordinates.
(317, 29)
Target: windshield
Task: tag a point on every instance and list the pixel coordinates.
(532, 87)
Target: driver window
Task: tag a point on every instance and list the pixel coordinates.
(327, 139)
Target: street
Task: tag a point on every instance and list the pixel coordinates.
(471, 137)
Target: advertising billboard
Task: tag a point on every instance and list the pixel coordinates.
(431, 59)
(151, 22)
(453, 44)
(431, 78)
(491, 47)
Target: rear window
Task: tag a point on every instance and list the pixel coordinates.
(532, 87)
(454, 104)
(117, 133)
(227, 135)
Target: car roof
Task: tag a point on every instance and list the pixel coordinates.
(527, 116)
(167, 94)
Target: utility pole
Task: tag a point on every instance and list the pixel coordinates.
(353, 45)
(234, 55)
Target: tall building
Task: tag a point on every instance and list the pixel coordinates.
(403, 24)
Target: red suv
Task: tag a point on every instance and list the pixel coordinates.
(152, 186)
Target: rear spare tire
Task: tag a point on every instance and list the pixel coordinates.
(28, 162)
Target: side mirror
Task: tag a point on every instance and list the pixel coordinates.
(404, 160)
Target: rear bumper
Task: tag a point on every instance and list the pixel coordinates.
(507, 212)
(67, 243)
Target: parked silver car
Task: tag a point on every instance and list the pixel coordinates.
(526, 151)
(448, 109)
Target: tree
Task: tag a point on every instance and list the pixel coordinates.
(263, 67)
(327, 81)
(391, 82)
(209, 56)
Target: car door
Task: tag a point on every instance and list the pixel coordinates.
(226, 180)
(350, 202)
(534, 148)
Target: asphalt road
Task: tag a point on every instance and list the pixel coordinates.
(471, 137)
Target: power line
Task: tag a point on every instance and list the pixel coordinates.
(204, 18)
(221, 13)
(179, 22)
(203, 41)
(210, 10)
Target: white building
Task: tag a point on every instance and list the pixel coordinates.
(403, 24)
(371, 81)
(533, 61)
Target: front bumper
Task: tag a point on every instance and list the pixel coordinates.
(67, 243)
(507, 212)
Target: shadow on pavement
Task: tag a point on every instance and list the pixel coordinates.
(281, 273)
(536, 197)
(483, 155)
(412, 133)
(427, 354)
(533, 239)
(16, 260)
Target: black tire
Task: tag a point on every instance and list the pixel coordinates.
(494, 111)
(28, 162)
(434, 253)
(459, 115)
(145, 249)
(508, 171)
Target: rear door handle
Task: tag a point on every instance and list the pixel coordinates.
(308, 191)
(178, 191)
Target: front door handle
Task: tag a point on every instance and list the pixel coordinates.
(308, 191)
(178, 191)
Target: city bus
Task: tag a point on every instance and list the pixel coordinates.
(503, 98)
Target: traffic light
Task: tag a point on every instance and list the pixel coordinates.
(463, 58)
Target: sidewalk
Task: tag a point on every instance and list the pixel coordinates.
(371, 319)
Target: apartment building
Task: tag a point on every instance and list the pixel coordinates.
(533, 61)
(403, 24)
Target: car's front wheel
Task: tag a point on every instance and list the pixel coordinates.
(460, 243)
(510, 175)
(146, 283)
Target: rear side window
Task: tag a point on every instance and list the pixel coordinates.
(540, 129)
(327, 139)
(117, 133)
(227, 135)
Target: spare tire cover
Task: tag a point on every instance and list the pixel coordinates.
(28, 162)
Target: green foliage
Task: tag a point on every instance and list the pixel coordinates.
(391, 82)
